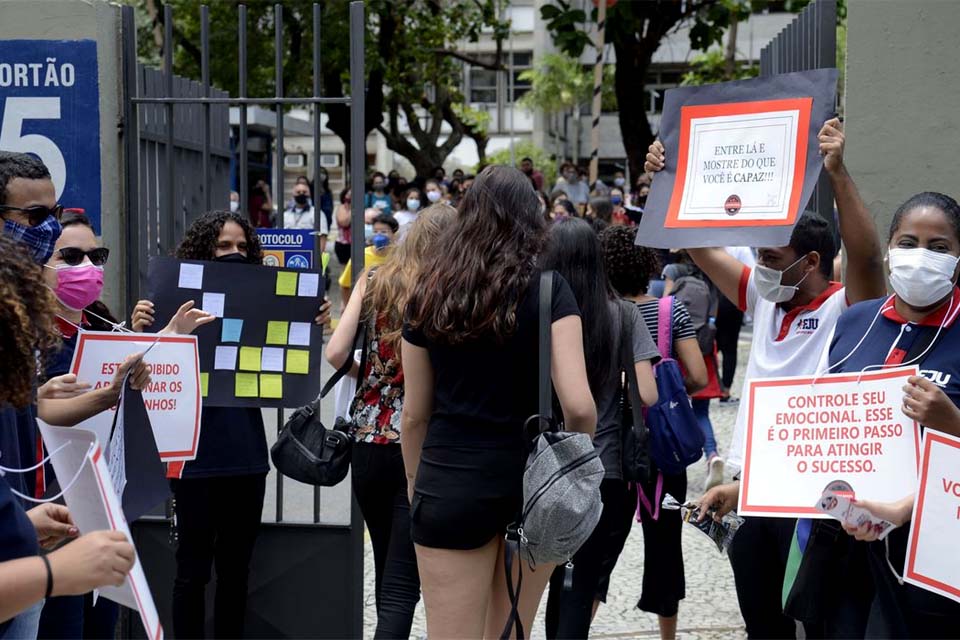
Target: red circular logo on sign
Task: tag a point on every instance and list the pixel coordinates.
(732, 205)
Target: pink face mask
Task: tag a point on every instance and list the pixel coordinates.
(78, 286)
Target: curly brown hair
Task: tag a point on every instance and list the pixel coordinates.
(200, 241)
(472, 283)
(628, 265)
(27, 310)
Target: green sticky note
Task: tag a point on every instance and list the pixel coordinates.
(277, 332)
(286, 283)
(298, 361)
(204, 384)
(246, 386)
(250, 358)
(271, 385)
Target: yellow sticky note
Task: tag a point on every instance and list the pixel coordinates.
(298, 361)
(286, 283)
(246, 386)
(277, 332)
(204, 384)
(249, 358)
(271, 385)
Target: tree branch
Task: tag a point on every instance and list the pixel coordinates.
(471, 61)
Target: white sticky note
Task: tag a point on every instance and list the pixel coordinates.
(299, 333)
(213, 303)
(191, 276)
(225, 358)
(308, 285)
(271, 359)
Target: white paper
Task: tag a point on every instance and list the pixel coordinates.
(308, 285)
(271, 359)
(191, 276)
(213, 303)
(225, 357)
(95, 506)
(117, 463)
(932, 561)
(172, 398)
(299, 333)
(801, 436)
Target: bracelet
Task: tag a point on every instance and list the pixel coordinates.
(46, 563)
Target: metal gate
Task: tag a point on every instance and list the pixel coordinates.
(306, 578)
(809, 42)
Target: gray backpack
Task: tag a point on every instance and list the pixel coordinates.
(561, 482)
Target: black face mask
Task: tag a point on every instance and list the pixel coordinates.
(300, 198)
(233, 257)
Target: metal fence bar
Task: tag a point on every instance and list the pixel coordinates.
(205, 80)
(358, 151)
(242, 90)
(278, 187)
(167, 231)
(241, 101)
(317, 211)
(134, 229)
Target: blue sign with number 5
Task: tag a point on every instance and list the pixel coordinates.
(50, 107)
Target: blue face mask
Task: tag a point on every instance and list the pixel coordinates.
(39, 240)
(380, 240)
(616, 200)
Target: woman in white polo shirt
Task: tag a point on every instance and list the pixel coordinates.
(795, 306)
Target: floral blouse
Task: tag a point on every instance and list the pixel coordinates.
(376, 407)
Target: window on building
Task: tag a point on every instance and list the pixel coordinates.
(486, 85)
(522, 60)
(483, 81)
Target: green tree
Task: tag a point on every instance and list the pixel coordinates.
(542, 160)
(558, 84)
(635, 30)
(413, 69)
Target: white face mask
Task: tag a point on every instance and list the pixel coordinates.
(768, 282)
(234, 206)
(433, 196)
(921, 277)
(413, 204)
(619, 181)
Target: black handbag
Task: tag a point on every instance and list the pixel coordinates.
(305, 449)
(635, 462)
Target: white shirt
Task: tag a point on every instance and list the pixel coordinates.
(784, 343)
(303, 219)
(578, 192)
(405, 217)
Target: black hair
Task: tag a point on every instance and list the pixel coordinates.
(602, 209)
(530, 160)
(377, 174)
(941, 201)
(628, 265)
(343, 195)
(574, 252)
(569, 207)
(99, 318)
(387, 219)
(813, 233)
(200, 241)
(19, 165)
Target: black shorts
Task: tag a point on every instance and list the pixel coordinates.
(342, 251)
(465, 495)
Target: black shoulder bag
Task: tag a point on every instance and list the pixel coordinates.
(635, 462)
(306, 450)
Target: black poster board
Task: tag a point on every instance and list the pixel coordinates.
(264, 349)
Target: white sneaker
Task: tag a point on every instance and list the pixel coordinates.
(714, 473)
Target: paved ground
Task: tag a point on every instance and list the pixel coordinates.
(708, 612)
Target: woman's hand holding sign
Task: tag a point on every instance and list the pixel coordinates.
(898, 513)
(831, 145)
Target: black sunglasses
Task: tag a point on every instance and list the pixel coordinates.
(36, 215)
(74, 256)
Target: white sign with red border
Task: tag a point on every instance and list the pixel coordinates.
(172, 398)
(94, 506)
(932, 559)
(803, 432)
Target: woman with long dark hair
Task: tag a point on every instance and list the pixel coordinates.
(574, 252)
(378, 479)
(470, 363)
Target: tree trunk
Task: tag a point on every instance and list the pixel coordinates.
(730, 61)
(635, 129)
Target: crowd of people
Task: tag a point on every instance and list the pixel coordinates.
(448, 310)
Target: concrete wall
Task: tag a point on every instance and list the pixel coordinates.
(100, 21)
(903, 101)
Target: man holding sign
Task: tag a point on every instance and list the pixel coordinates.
(795, 306)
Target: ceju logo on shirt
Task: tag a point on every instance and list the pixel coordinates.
(938, 378)
(807, 325)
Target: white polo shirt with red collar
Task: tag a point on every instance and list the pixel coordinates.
(785, 343)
